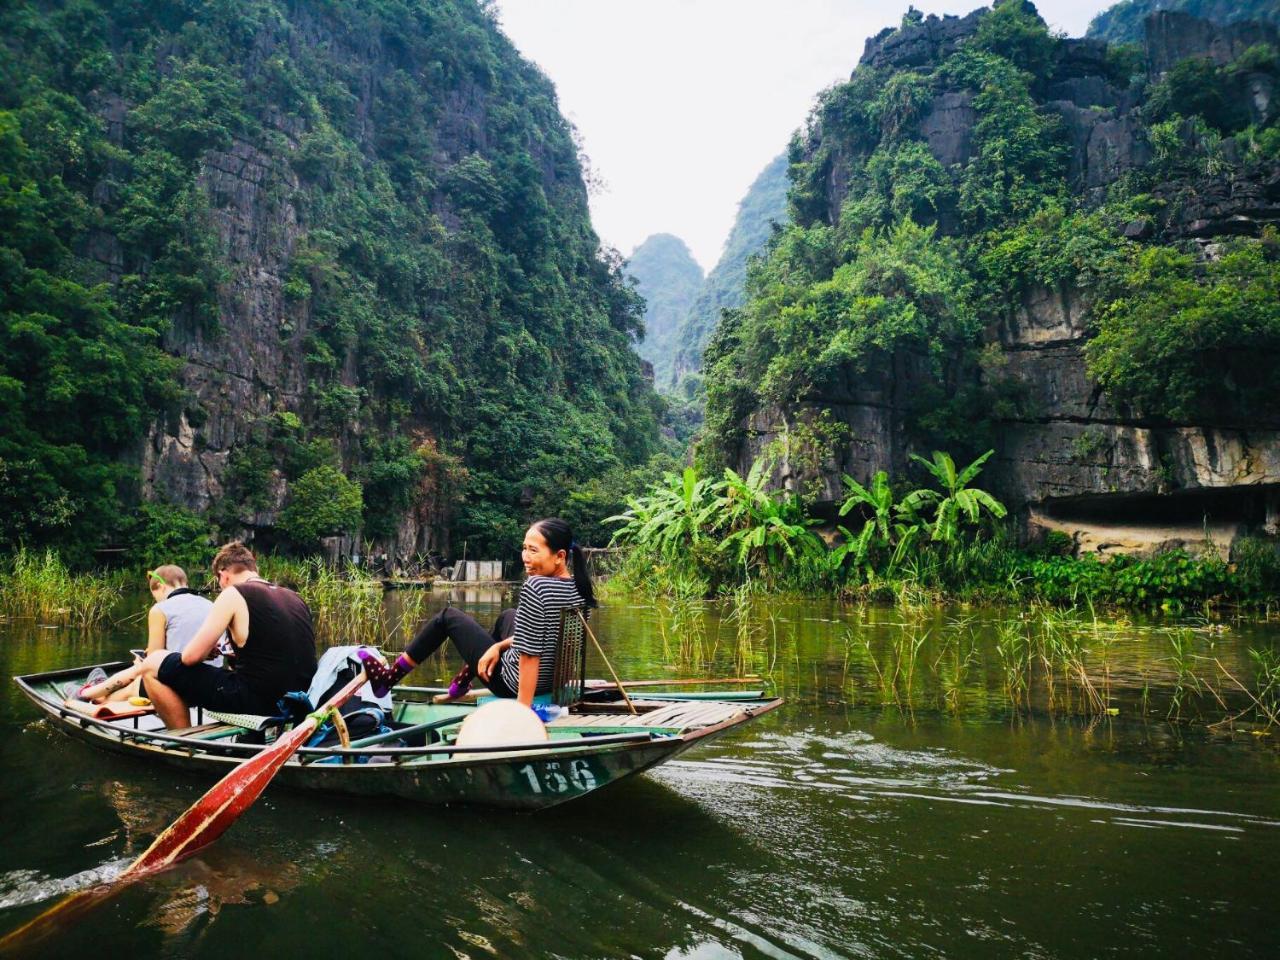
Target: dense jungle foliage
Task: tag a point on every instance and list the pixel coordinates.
(911, 259)
(1123, 22)
(464, 344)
(691, 536)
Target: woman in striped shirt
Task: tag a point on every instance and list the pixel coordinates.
(516, 658)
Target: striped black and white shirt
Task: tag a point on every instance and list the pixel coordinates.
(538, 628)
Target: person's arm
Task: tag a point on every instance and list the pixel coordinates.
(218, 619)
(528, 678)
(530, 627)
(490, 658)
(156, 624)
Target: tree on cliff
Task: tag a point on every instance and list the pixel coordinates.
(369, 216)
(932, 193)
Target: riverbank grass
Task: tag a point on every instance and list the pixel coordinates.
(41, 587)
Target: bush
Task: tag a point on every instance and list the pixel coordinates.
(322, 502)
(1257, 570)
(1186, 339)
(166, 533)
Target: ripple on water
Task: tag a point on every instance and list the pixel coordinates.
(20, 888)
(855, 766)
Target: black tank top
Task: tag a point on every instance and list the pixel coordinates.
(280, 652)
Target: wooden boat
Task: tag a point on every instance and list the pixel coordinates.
(597, 743)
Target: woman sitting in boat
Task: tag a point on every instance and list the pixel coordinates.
(517, 658)
(174, 617)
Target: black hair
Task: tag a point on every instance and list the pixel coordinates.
(559, 536)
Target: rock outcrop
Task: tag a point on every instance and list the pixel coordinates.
(1075, 461)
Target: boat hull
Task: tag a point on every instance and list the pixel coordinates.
(522, 779)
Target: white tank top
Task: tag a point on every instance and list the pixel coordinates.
(183, 615)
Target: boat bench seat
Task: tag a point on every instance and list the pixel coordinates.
(677, 715)
(215, 730)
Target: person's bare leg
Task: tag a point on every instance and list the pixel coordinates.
(125, 693)
(169, 706)
(113, 684)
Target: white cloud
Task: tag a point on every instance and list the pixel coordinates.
(681, 103)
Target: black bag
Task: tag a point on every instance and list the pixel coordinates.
(363, 720)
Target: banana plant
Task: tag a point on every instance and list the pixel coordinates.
(763, 528)
(878, 529)
(956, 501)
(673, 518)
(889, 526)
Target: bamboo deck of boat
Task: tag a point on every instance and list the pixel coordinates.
(680, 716)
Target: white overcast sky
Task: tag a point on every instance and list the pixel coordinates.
(681, 103)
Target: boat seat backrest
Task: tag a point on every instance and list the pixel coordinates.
(570, 676)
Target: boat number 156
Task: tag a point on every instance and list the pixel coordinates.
(558, 777)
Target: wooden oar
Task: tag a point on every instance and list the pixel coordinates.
(203, 822)
(600, 650)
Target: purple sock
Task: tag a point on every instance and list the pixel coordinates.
(381, 677)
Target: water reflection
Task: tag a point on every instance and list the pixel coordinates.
(909, 800)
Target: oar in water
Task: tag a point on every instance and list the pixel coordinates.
(203, 822)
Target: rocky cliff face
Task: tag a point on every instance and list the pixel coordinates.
(669, 279)
(1123, 23)
(1073, 460)
(385, 262)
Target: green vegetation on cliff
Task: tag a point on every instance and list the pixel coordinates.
(669, 279)
(896, 260)
(1123, 22)
(463, 345)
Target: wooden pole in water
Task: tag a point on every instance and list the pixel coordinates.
(599, 649)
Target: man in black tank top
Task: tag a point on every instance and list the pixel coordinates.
(274, 640)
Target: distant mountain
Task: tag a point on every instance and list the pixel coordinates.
(669, 279)
(1123, 22)
(765, 203)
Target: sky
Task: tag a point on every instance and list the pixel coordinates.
(681, 103)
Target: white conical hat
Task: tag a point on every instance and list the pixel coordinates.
(500, 722)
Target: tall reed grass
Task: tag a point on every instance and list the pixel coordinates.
(41, 587)
(347, 606)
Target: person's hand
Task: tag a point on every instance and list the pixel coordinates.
(488, 660)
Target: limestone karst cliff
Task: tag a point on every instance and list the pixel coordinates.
(978, 213)
(293, 236)
(669, 279)
(763, 206)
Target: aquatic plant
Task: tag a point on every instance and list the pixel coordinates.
(40, 585)
(747, 629)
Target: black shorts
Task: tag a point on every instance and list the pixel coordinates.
(200, 685)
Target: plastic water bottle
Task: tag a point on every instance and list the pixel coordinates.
(548, 711)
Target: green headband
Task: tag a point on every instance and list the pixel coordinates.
(157, 578)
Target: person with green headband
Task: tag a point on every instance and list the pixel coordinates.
(172, 621)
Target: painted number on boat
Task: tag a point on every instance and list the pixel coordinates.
(558, 777)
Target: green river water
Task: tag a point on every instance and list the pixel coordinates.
(899, 805)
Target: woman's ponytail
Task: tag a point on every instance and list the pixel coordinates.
(559, 536)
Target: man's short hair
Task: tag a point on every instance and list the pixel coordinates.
(234, 557)
(172, 574)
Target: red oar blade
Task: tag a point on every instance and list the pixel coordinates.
(202, 823)
(210, 816)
